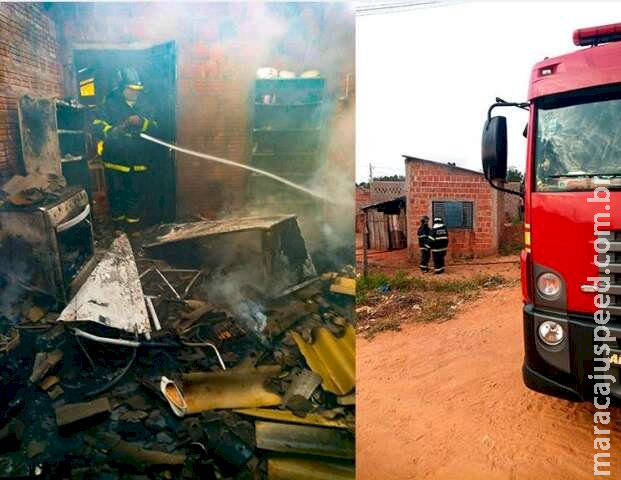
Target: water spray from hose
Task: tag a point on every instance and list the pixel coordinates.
(239, 165)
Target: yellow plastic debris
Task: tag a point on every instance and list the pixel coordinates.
(287, 416)
(286, 468)
(344, 285)
(334, 359)
(234, 388)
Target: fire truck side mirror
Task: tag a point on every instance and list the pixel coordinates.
(494, 148)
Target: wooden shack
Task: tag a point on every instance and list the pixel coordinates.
(386, 224)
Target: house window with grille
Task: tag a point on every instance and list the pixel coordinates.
(455, 214)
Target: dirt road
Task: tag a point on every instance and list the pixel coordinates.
(446, 401)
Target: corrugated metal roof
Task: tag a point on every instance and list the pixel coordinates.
(288, 438)
(287, 416)
(400, 199)
(334, 359)
(286, 468)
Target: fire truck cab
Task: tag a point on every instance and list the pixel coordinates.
(571, 260)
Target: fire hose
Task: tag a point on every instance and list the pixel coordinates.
(238, 165)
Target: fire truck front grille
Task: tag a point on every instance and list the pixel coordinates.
(614, 273)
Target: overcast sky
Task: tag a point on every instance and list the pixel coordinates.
(426, 77)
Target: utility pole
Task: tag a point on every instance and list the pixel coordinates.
(365, 245)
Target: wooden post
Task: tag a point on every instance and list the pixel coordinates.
(365, 245)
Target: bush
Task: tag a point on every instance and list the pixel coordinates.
(510, 248)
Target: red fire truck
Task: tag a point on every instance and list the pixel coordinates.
(571, 261)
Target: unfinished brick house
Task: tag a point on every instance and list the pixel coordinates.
(471, 209)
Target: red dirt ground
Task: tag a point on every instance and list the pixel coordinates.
(446, 401)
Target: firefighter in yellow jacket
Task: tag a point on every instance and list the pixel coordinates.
(117, 125)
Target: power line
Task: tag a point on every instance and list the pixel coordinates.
(386, 167)
(374, 8)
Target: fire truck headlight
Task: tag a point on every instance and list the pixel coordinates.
(549, 285)
(551, 333)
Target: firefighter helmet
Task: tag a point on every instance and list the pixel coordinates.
(128, 78)
(437, 220)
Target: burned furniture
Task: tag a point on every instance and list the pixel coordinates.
(45, 246)
(39, 136)
(46, 236)
(75, 145)
(267, 254)
(55, 139)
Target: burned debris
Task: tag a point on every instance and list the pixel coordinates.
(178, 357)
(267, 254)
(112, 294)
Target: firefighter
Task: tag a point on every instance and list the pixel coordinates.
(438, 243)
(117, 125)
(423, 243)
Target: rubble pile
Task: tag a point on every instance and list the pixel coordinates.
(147, 374)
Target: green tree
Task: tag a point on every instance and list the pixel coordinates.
(393, 178)
(514, 175)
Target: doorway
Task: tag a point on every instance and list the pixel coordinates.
(96, 70)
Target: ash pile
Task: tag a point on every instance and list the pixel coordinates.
(210, 349)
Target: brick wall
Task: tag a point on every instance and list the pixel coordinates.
(512, 203)
(430, 181)
(29, 63)
(363, 197)
(220, 46)
(511, 238)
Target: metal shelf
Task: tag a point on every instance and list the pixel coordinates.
(295, 79)
(286, 105)
(285, 130)
(284, 154)
(77, 158)
(70, 132)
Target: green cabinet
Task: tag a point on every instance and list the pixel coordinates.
(288, 140)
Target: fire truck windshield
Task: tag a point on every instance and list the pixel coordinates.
(577, 144)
